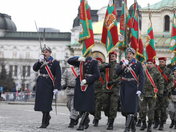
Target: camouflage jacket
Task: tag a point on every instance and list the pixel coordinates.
(98, 83)
(113, 76)
(158, 80)
(167, 71)
(174, 89)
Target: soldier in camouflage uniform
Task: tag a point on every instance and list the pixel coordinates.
(162, 102)
(172, 102)
(68, 83)
(98, 95)
(110, 96)
(149, 93)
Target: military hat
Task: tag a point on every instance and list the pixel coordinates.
(130, 50)
(162, 58)
(113, 52)
(100, 59)
(174, 69)
(152, 60)
(46, 48)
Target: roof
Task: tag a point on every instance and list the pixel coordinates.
(161, 4)
(55, 36)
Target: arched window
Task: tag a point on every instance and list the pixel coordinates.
(166, 23)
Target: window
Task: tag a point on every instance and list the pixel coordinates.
(24, 71)
(166, 23)
(28, 70)
(15, 71)
(10, 70)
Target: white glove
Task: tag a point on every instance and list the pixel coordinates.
(126, 63)
(138, 93)
(41, 58)
(81, 59)
(55, 91)
(83, 82)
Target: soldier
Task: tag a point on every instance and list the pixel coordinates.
(154, 84)
(98, 95)
(68, 82)
(130, 87)
(162, 102)
(110, 89)
(172, 102)
(48, 83)
(84, 88)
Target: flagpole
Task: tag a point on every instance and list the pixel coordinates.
(124, 25)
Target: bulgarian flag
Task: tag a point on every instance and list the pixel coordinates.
(150, 44)
(86, 37)
(173, 34)
(109, 36)
(136, 36)
(173, 58)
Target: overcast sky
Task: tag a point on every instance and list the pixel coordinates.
(58, 14)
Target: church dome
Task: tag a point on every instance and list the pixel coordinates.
(6, 23)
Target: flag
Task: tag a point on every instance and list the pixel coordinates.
(136, 40)
(109, 36)
(173, 34)
(86, 37)
(173, 58)
(150, 44)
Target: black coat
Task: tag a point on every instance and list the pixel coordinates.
(44, 86)
(128, 89)
(84, 100)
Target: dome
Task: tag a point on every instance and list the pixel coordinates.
(6, 23)
(98, 27)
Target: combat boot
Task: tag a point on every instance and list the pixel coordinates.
(129, 121)
(71, 124)
(175, 125)
(76, 121)
(82, 122)
(96, 122)
(138, 123)
(144, 126)
(133, 126)
(172, 123)
(149, 127)
(86, 124)
(161, 125)
(110, 125)
(156, 123)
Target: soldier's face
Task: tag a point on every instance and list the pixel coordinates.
(162, 63)
(130, 56)
(113, 58)
(174, 72)
(150, 64)
(99, 62)
(47, 54)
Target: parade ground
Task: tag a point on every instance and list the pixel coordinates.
(21, 117)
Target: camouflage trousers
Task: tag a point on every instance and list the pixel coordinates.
(70, 103)
(150, 102)
(172, 110)
(98, 105)
(160, 109)
(110, 104)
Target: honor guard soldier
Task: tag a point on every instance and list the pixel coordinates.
(110, 89)
(98, 95)
(172, 102)
(154, 85)
(68, 82)
(162, 102)
(84, 89)
(131, 86)
(48, 83)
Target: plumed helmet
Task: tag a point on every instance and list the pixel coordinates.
(46, 48)
(130, 50)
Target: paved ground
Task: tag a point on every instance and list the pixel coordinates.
(22, 118)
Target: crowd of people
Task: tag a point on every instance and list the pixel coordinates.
(146, 91)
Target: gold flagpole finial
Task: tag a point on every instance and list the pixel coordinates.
(149, 7)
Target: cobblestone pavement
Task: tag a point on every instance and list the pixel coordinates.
(22, 118)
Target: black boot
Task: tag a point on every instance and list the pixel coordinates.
(156, 123)
(82, 122)
(129, 121)
(144, 126)
(71, 124)
(110, 124)
(44, 120)
(133, 126)
(86, 124)
(161, 125)
(175, 124)
(138, 123)
(96, 122)
(48, 119)
(149, 127)
(172, 123)
(76, 121)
